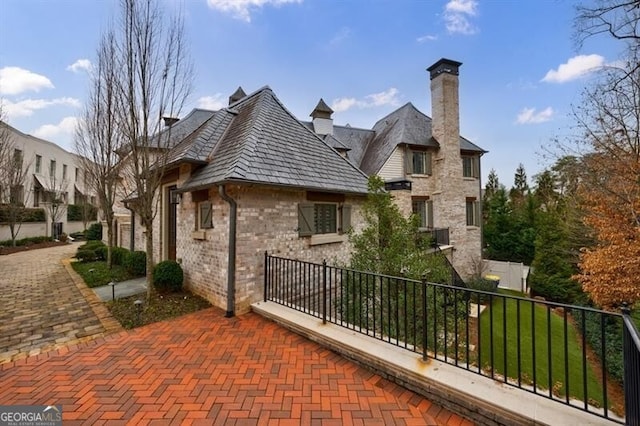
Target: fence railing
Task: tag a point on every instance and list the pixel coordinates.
(570, 354)
(439, 236)
(631, 339)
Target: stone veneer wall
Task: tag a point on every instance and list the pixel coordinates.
(267, 220)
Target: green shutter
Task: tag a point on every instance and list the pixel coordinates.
(427, 166)
(408, 161)
(476, 213)
(345, 220)
(476, 167)
(430, 214)
(305, 220)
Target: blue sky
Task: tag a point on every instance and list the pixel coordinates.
(520, 76)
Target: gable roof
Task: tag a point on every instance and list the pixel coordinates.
(257, 140)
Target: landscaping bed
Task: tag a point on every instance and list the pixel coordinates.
(4, 250)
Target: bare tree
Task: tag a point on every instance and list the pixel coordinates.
(97, 137)
(13, 177)
(154, 80)
(56, 199)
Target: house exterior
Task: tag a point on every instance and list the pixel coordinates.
(50, 168)
(252, 178)
(430, 169)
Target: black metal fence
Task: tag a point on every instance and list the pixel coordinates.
(540, 347)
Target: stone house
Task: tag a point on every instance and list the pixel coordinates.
(49, 169)
(251, 178)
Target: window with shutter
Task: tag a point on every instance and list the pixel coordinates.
(473, 212)
(205, 215)
(323, 218)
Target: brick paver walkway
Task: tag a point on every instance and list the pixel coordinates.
(207, 369)
(42, 308)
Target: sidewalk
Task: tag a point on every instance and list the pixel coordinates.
(121, 289)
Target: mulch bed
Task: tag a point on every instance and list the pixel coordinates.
(10, 250)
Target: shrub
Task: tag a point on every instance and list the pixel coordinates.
(136, 263)
(118, 254)
(101, 252)
(482, 284)
(25, 214)
(94, 233)
(91, 245)
(86, 255)
(168, 276)
(76, 212)
(26, 241)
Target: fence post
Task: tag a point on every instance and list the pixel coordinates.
(266, 281)
(324, 291)
(424, 318)
(631, 362)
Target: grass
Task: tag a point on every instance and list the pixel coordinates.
(159, 308)
(555, 340)
(97, 273)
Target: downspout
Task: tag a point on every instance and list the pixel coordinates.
(231, 266)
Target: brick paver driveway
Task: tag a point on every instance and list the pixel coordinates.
(204, 368)
(41, 307)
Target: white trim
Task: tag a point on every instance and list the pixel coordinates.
(318, 239)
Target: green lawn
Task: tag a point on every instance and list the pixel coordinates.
(557, 339)
(96, 273)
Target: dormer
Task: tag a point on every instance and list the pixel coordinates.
(322, 121)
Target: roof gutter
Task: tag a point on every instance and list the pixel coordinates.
(231, 266)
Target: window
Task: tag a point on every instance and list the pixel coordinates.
(38, 163)
(17, 158)
(473, 212)
(77, 173)
(419, 162)
(52, 168)
(64, 172)
(205, 215)
(16, 195)
(423, 208)
(323, 218)
(470, 166)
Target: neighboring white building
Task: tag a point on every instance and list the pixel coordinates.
(48, 168)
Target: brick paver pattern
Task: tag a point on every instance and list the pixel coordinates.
(41, 308)
(206, 369)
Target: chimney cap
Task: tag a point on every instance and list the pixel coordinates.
(237, 95)
(322, 110)
(444, 66)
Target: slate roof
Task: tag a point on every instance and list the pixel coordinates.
(183, 128)
(369, 149)
(257, 140)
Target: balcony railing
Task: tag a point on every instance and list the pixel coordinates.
(561, 352)
(438, 236)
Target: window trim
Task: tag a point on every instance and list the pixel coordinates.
(474, 166)
(200, 224)
(426, 162)
(472, 202)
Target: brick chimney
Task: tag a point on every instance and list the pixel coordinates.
(445, 107)
(322, 121)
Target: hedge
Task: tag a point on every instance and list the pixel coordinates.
(27, 214)
(75, 212)
(26, 241)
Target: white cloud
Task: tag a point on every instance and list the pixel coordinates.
(15, 80)
(214, 102)
(66, 127)
(242, 9)
(25, 108)
(340, 36)
(531, 116)
(457, 14)
(426, 38)
(80, 65)
(574, 68)
(388, 97)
